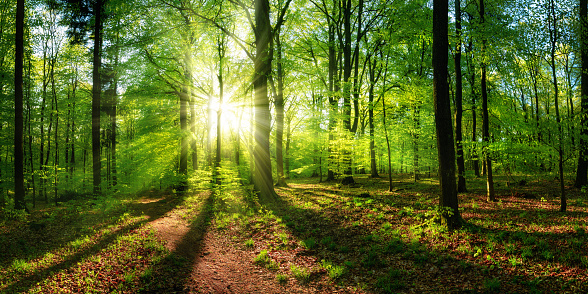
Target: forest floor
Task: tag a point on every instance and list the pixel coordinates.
(318, 238)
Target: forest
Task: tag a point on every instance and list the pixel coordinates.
(293, 146)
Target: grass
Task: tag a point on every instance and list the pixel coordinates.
(301, 274)
(333, 271)
(326, 234)
(249, 243)
(281, 278)
(392, 281)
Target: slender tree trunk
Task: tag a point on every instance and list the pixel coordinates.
(288, 140)
(217, 163)
(553, 34)
(371, 105)
(346, 157)
(279, 104)
(262, 179)
(113, 113)
(209, 133)
(387, 144)
(332, 98)
(19, 192)
(461, 182)
(486, 121)
(356, 79)
(446, 153)
(193, 143)
(415, 140)
(471, 67)
(30, 135)
(96, 93)
(582, 169)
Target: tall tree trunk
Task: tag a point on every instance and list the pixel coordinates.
(347, 160)
(262, 179)
(387, 144)
(443, 126)
(288, 140)
(209, 133)
(461, 182)
(471, 67)
(371, 105)
(96, 93)
(415, 139)
(30, 135)
(19, 192)
(113, 112)
(486, 121)
(356, 79)
(221, 56)
(193, 142)
(279, 104)
(553, 36)
(582, 169)
(333, 109)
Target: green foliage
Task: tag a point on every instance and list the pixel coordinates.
(301, 274)
(249, 243)
(393, 281)
(263, 259)
(492, 285)
(281, 278)
(371, 258)
(309, 243)
(333, 271)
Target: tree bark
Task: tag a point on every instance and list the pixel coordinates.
(553, 36)
(217, 163)
(461, 182)
(19, 192)
(279, 104)
(263, 182)
(485, 124)
(333, 108)
(446, 153)
(347, 164)
(371, 105)
(582, 168)
(96, 92)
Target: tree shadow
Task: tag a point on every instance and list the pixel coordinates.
(386, 259)
(26, 280)
(172, 274)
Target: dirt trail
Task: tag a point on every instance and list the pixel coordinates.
(218, 265)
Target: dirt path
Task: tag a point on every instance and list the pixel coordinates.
(218, 265)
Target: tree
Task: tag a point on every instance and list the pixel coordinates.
(461, 183)
(262, 179)
(553, 39)
(582, 168)
(19, 192)
(279, 106)
(80, 14)
(445, 150)
(485, 118)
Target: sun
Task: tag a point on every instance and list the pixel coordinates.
(234, 116)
